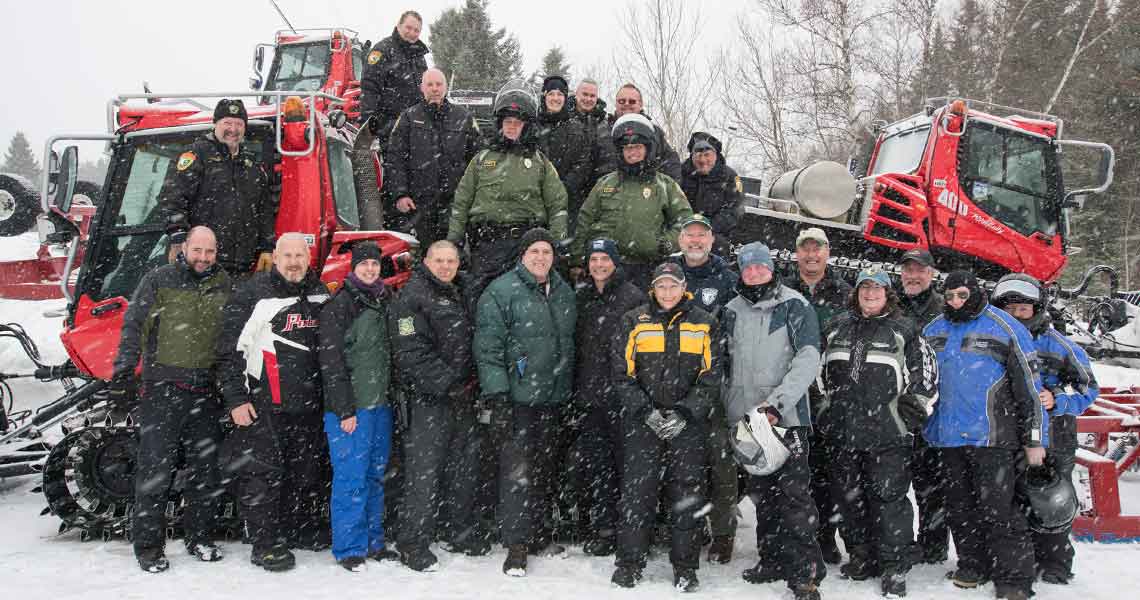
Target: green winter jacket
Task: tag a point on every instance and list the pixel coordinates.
(643, 215)
(508, 187)
(524, 339)
(355, 351)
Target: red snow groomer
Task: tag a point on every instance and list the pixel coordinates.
(302, 125)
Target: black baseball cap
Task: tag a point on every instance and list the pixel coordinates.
(918, 255)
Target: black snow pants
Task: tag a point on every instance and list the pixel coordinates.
(786, 518)
(722, 477)
(526, 466)
(600, 460)
(990, 531)
(646, 462)
(821, 459)
(926, 471)
(176, 420)
(1054, 551)
(441, 463)
(280, 466)
(877, 517)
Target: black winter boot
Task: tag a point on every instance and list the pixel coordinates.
(685, 580)
(864, 564)
(274, 558)
(419, 559)
(384, 554)
(515, 565)
(600, 546)
(204, 551)
(626, 577)
(720, 551)
(893, 584)
(967, 579)
(762, 573)
(807, 591)
(153, 561)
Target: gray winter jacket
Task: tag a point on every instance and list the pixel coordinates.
(772, 356)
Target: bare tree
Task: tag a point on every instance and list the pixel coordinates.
(657, 52)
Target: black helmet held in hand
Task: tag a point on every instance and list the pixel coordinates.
(1049, 499)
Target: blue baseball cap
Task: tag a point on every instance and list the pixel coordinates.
(875, 275)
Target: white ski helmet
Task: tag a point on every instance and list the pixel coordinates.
(756, 446)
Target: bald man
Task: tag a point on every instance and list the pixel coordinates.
(171, 325)
(270, 375)
(430, 147)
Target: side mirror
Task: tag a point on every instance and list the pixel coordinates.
(66, 179)
(258, 58)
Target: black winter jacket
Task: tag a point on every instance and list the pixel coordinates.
(433, 325)
(355, 351)
(267, 350)
(569, 140)
(668, 359)
(428, 152)
(599, 315)
(229, 194)
(712, 284)
(716, 196)
(879, 375)
(829, 298)
(923, 308)
(173, 323)
(393, 70)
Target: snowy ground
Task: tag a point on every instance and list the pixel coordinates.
(39, 564)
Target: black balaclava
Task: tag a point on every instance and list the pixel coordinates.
(974, 305)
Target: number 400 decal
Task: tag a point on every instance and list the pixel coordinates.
(950, 200)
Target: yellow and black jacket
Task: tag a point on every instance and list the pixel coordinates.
(667, 359)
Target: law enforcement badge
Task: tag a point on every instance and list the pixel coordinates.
(527, 163)
(708, 296)
(185, 160)
(374, 57)
(739, 186)
(407, 326)
(646, 193)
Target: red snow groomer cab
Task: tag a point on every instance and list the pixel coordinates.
(976, 189)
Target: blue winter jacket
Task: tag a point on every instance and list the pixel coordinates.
(1065, 371)
(988, 383)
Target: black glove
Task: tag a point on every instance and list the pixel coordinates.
(373, 125)
(460, 390)
(121, 393)
(912, 412)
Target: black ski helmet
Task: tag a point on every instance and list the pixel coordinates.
(515, 99)
(1048, 499)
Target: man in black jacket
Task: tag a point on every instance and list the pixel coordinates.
(923, 304)
(392, 72)
(172, 322)
(430, 147)
(222, 184)
(601, 305)
(827, 293)
(665, 157)
(667, 372)
(712, 187)
(432, 329)
(569, 140)
(267, 358)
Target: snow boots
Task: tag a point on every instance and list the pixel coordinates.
(967, 579)
(626, 577)
(600, 546)
(384, 554)
(685, 580)
(204, 551)
(515, 565)
(893, 584)
(352, 564)
(274, 559)
(720, 551)
(762, 573)
(153, 561)
(419, 559)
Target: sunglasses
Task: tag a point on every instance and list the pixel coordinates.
(958, 295)
(626, 101)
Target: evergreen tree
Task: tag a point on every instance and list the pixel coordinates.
(20, 159)
(554, 63)
(470, 52)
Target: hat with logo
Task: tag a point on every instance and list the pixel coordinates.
(230, 108)
(669, 270)
(697, 218)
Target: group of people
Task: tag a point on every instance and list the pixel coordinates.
(602, 329)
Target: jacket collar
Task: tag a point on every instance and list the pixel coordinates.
(713, 266)
(410, 50)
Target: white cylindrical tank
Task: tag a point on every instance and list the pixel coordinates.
(824, 190)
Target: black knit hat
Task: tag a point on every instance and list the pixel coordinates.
(555, 82)
(230, 108)
(365, 250)
(538, 234)
(606, 246)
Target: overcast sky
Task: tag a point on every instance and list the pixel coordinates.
(64, 58)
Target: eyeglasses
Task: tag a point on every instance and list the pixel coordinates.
(624, 101)
(959, 295)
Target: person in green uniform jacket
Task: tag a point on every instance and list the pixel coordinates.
(507, 190)
(636, 206)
